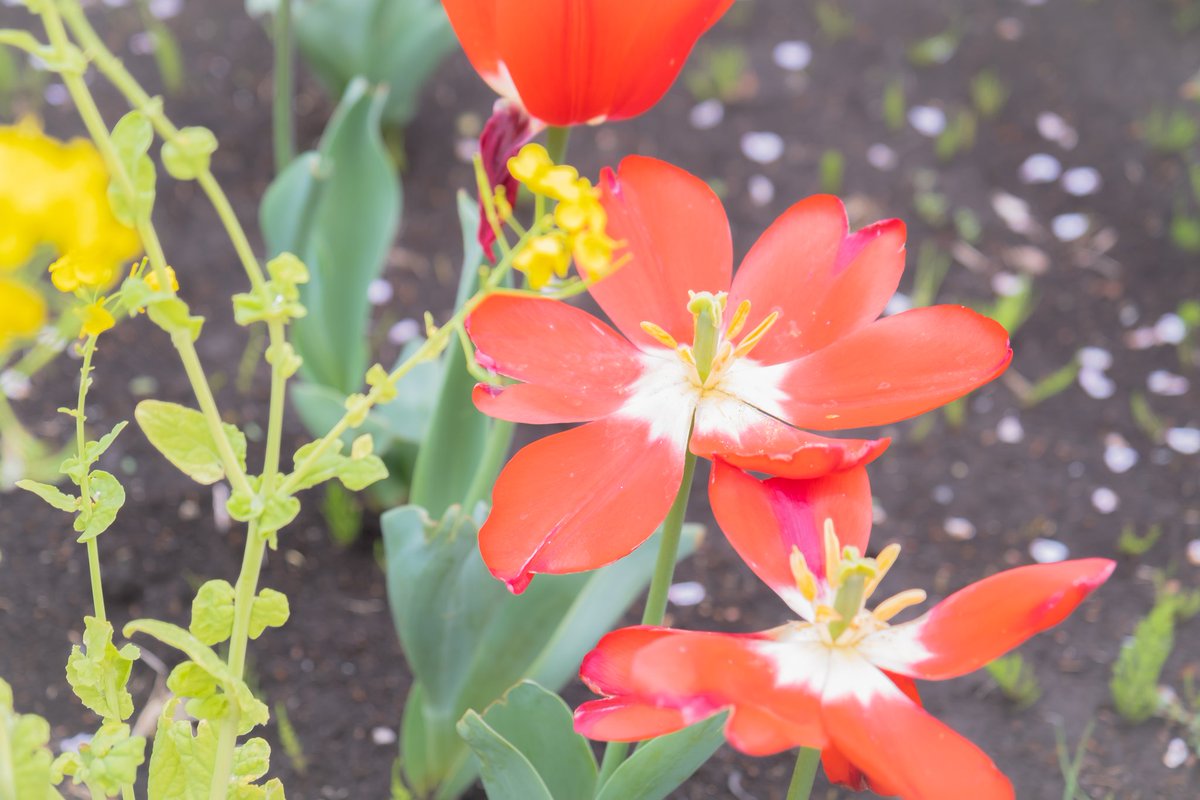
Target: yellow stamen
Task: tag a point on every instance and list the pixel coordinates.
(883, 562)
(806, 582)
(897, 603)
(833, 558)
(756, 335)
(739, 320)
(660, 335)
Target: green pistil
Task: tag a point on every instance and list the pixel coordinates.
(707, 310)
(849, 599)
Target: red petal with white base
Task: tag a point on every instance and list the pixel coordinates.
(578, 61)
(699, 674)
(986, 619)
(577, 367)
(895, 368)
(897, 744)
(580, 499)
(677, 239)
(764, 520)
(752, 440)
(823, 282)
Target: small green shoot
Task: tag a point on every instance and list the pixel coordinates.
(834, 21)
(167, 56)
(988, 93)
(721, 73)
(956, 413)
(895, 105)
(1189, 312)
(1146, 419)
(1185, 230)
(1170, 132)
(289, 739)
(1013, 310)
(1016, 679)
(832, 171)
(1133, 544)
(1140, 663)
(343, 514)
(1053, 384)
(958, 137)
(1072, 765)
(932, 265)
(937, 49)
(967, 225)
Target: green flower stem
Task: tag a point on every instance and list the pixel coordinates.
(244, 592)
(556, 143)
(495, 450)
(93, 549)
(656, 600)
(281, 106)
(275, 414)
(804, 774)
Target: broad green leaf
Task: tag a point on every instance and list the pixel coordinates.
(396, 42)
(661, 765)
(74, 467)
(175, 317)
(541, 727)
(181, 434)
(270, 610)
(98, 671)
(506, 772)
(453, 447)
(189, 679)
(338, 211)
(212, 612)
(108, 496)
(52, 495)
(25, 738)
(108, 763)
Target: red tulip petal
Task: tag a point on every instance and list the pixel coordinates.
(895, 368)
(578, 61)
(986, 619)
(897, 744)
(753, 440)
(764, 520)
(773, 698)
(677, 239)
(475, 23)
(617, 720)
(580, 499)
(823, 282)
(577, 367)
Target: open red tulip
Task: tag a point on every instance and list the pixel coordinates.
(840, 678)
(571, 62)
(730, 366)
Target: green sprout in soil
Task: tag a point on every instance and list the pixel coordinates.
(1140, 663)
(932, 265)
(1145, 417)
(1170, 132)
(1057, 382)
(832, 171)
(959, 136)
(1185, 221)
(835, 22)
(931, 206)
(343, 515)
(936, 49)
(1189, 312)
(289, 739)
(1072, 764)
(988, 93)
(1016, 679)
(895, 105)
(721, 73)
(1133, 544)
(967, 225)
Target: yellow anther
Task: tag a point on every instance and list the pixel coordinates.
(500, 202)
(593, 253)
(883, 562)
(530, 163)
(561, 183)
(660, 335)
(685, 353)
(543, 258)
(756, 335)
(897, 603)
(806, 582)
(152, 280)
(739, 320)
(833, 558)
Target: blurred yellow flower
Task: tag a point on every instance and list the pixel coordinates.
(22, 311)
(56, 193)
(96, 319)
(81, 271)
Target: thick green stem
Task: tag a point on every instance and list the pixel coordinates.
(281, 108)
(656, 600)
(805, 772)
(495, 449)
(556, 143)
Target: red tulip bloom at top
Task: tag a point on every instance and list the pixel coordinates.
(574, 62)
(729, 366)
(839, 678)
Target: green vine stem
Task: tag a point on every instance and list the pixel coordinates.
(93, 547)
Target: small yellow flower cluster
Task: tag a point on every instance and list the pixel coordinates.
(22, 311)
(579, 221)
(56, 193)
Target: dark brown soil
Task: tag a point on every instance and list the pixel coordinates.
(337, 667)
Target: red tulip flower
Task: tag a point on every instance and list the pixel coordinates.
(839, 679)
(574, 62)
(729, 366)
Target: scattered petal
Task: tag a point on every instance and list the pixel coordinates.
(942, 494)
(1177, 753)
(1009, 429)
(1069, 227)
(1167, 383)
(1105, 500)
(165, 9)
(1119, 457)
(1040, 168)
(379, 292)
(1027, 258)
(1007, 284)
(761, 190)
(959, 528)
(1054, 128)
(1014, 211)
(1193, 552)
(1009, 29)
(1183, 440)
(1094, 358)
(707, 114)
(383, 736)
(792, 55)
(1048, 551)
(762, 147)
(404, 331)
(882, 157)
(1170, 329)
(927, 120)
(1097, 385)
(1081, 181)
(687, 593)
